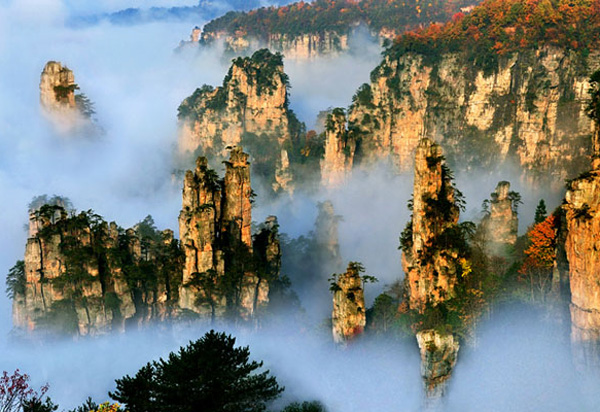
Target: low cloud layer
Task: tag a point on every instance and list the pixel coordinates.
(137, 82)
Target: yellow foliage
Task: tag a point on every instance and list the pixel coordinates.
(108, 407)
(466, 267)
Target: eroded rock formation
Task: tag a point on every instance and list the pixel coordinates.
(339, 150)
(67, 111)
(221, 276)
(530, 110)
(81, 274)
(349, 314)
(300, 47)
(582, 248)
(84, 276)
(251, 109)
(501, 223)
(438, 358)
(431, 263)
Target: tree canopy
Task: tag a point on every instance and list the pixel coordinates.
(210, 374)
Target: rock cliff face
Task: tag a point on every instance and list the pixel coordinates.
(223, 273)
(251, 109)
(336, 164)
(528, 109)
(501, 223)
(438, 358)
(67, 111)
(582, 247)
(432, 265)
(349, 314)
(301, 47)
(81, 275)
(430, 271)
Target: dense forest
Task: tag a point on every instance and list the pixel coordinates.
(337, 16)
(501, 27)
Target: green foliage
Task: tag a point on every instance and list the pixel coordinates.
(306, 406)
(540, 212)
(593, 108)
(87, 406)
(210, 374)
(16, 281)
(85, 105)
(406, 237)
(515, 198)
(36, 404)
(62, 92)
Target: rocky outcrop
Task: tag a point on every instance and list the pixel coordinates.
(57, 88)
(251, 109)
(501, 222)
(582, 248)
(349, 315)
(438, 358)
(220, 275)
(67, 111)
(82, 275)
(339, 150)
(528, 109)
(432, 261)
(430, 271)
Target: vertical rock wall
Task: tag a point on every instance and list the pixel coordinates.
(582, 247)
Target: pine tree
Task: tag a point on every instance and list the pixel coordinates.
(540, 212)
(208, 375)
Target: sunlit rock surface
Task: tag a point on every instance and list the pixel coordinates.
(349, 314)
(250, 108)
(583, 253)
(530, 111)
(215, 232)
(432, 271)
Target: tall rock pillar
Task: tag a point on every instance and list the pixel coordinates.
(349, 315)
(432, 271)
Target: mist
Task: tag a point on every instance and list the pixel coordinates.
(137, 83)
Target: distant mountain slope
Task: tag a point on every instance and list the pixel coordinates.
(205, 10)
(323, 26)
(506, 84)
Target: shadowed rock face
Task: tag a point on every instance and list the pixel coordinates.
(219, 275)
(502, 223)
(349, 314)
(583, 253)
(431, 271)
(326, 236)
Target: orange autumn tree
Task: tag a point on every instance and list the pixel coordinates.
(540, 256)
